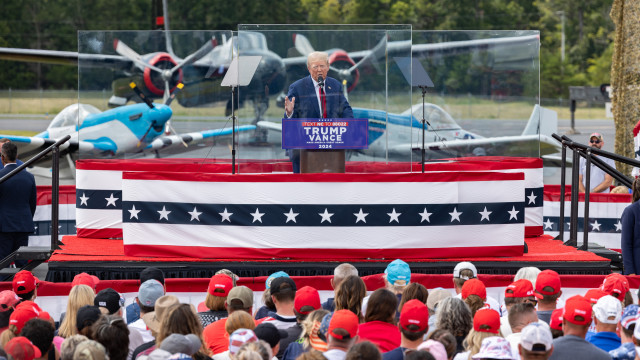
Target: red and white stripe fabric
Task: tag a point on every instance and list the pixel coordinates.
(605, 211)
(99, 183)
(42, 216)
(323, 216)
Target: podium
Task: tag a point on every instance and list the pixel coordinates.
(322, 143)
(322, 161)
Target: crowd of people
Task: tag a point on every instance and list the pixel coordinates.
(402, 320)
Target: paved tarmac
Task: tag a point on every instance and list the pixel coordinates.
(221, 149)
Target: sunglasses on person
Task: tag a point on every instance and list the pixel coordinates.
(596, 141)
(532, 301)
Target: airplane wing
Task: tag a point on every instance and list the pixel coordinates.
(175, 141)
(516, 145)
(448, 47)
(29, 146)
(65, 58)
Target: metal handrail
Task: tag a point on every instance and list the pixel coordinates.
(587, 152)
(55, 183)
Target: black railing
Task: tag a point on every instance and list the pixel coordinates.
(586, 152)
(55, 187)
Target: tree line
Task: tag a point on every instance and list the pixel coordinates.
(53, 25)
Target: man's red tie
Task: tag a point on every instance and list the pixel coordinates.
(323, 101)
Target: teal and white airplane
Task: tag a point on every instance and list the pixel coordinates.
(398, 135)
(128, 129)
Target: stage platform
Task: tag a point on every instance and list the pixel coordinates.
(106, 259)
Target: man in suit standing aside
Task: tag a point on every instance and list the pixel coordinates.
(315, 96)
(17, 203)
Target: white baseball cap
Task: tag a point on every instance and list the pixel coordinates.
(608, 310)
(536, 337)
(465, 265)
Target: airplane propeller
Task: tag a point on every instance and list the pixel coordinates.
(165, 74)
(304, 47)
(141, 95)
(149, 103)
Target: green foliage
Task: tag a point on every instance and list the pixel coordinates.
(53, 25)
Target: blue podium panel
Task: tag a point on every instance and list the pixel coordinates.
(325, 133)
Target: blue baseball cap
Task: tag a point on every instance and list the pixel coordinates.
(267, 283)
(398, 273)
(629, 316)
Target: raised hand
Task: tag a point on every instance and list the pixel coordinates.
(288, 105)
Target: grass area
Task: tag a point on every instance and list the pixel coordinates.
(463, 107)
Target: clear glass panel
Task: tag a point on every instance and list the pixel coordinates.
(119, 124)
(360, 60)
(486, 91)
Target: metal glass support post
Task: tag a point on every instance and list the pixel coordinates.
(573, 222)
(55, 194)
(587, 191)
(563, 175)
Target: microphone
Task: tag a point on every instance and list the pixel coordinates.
(320, 81)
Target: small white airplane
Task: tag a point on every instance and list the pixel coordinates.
(445, 138)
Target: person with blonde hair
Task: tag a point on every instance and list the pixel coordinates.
(90, 350)
(257, 350)
(309, 339)
(349, 295)
(68, 346)
(486, 323)
(236, 321)
(79, 296)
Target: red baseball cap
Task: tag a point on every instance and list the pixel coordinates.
(307, 296)
(546, 278)
(346, 320)
(615, 285)
(221, 282)
(22, 314)
(577, 306)
(21, 348)
(556, 319)
(519, 288)
(592, 295)
(24, 282)
(415, 312)
(474, 287)
(85, 279)
(487, 320)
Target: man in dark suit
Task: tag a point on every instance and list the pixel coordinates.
(17, 203)
(309, 98)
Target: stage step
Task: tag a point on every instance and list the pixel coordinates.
(35, 254)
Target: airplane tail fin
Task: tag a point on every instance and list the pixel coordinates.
(543, 121)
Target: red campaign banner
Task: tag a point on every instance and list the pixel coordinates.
(67, 194)
(325, 177)
(553, 193)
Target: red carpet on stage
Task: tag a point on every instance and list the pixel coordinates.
(541, 249)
